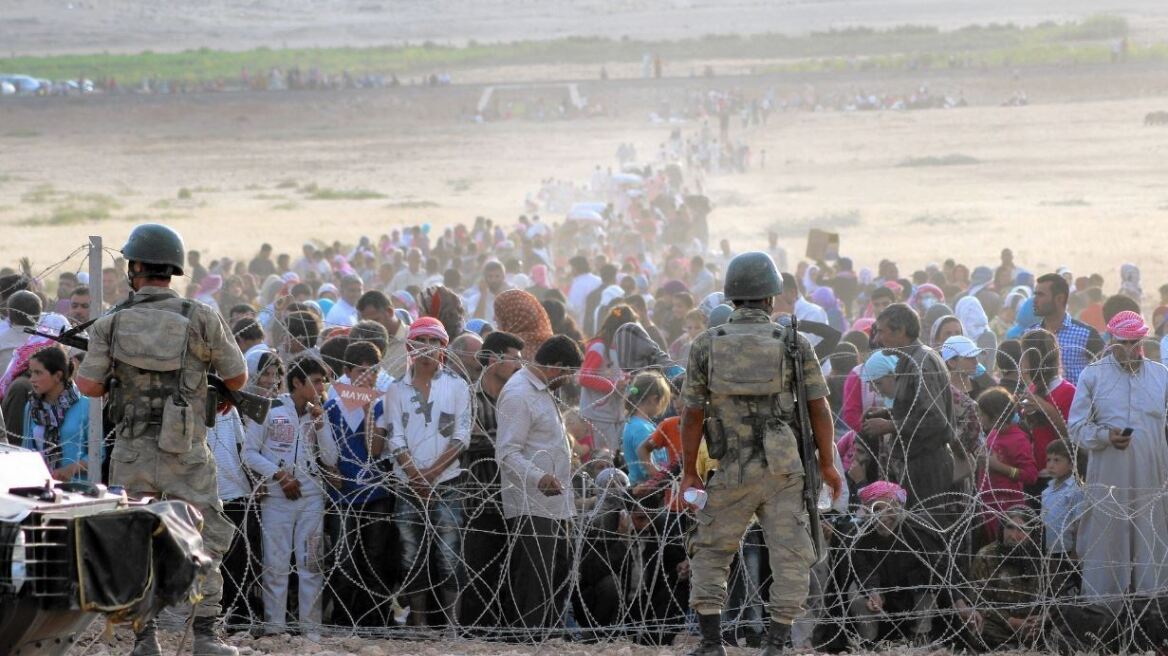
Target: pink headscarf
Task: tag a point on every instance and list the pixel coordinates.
(864, 325)
(50, 323)
(341, 265)
(882, 491)
(210, 284)
(1127, 326)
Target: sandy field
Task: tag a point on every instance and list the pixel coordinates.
(1074, 179)
(57, 26)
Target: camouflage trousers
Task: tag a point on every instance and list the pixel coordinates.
(777, 502)
(143, 470)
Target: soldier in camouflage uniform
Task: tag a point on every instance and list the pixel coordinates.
(740, 383)
(151, 355)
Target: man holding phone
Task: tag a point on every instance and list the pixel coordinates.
(1118, 415)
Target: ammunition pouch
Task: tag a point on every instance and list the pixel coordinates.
(715, 433)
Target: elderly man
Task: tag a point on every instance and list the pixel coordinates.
(465, 349)
(411, 276)
(1118, 415)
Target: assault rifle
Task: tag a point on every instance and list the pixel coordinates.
(250, 405)
(807, 451)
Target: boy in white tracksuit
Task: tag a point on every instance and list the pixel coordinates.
(284, 451)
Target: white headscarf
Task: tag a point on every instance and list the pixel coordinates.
(972, 317)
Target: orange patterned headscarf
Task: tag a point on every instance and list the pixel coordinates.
(521, 314)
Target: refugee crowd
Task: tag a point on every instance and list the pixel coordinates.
(478, 427)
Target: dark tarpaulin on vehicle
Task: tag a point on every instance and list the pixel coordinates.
(132, 563)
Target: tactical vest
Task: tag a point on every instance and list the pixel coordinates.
(750, 381)
(149, 346)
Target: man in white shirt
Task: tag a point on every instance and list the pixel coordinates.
(413, 275)
(428, 421)
(284, 452)
(535, 463)
(344, 311)
(584, 282)
(480, 300)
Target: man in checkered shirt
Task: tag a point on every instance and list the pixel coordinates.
(1079, 343)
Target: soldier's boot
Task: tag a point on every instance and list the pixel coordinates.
(207, 641)
(146, 641)
(711, 628)
(777, 636)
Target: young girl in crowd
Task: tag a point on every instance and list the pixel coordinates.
(695, 324)
(602, 381)
(56, 417)
(1046, 396)
(1009, 463)
(647, 398)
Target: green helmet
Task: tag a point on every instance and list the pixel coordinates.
(154, 243)
(752, 276)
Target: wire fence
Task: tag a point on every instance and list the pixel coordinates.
(974, 554)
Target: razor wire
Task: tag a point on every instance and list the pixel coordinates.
(622, 569)
(626, 575)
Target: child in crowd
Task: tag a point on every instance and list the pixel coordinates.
(647, 397)
(695, 324)
(286, 451)
(1009, 461)
(1062, 506)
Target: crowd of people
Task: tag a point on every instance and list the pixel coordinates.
(479, 428)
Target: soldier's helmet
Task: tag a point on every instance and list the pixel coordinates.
(752, 276)
(154, 243)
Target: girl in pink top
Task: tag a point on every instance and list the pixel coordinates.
(1009, 457)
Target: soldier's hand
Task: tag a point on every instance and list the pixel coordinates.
(691, 480)
(831, 477)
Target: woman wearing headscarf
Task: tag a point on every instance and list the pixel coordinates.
(232, 294)
(562, 323)
(975, 325)
(56, 416)
(1024, 318)
(925, 297)
(1129, 282)
(50, 323)
(404, 300)
(519, 313)
(825, 298)
(602, 381)
(540, 281)
(445, 306)
(208, 289)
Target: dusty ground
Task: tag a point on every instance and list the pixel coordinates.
(94, 644)
(55, 26)
(1074, 179)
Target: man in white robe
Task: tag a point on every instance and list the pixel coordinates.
(1123, 536)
